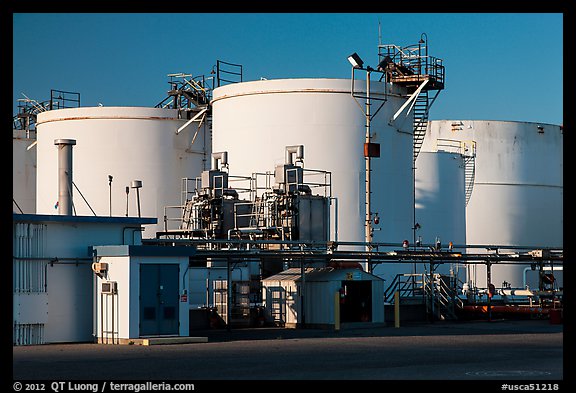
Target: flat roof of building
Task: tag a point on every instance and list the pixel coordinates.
(88, 219)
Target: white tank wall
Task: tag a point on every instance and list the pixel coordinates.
(440, 201)
(517, 198)
(255, 121)
(23, 172)
(129, 143)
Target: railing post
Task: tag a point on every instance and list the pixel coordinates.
(337, 311)
(397, 309)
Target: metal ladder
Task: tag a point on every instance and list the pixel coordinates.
(187, 216)
(257, 214)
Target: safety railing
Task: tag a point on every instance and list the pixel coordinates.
(414, 59)
(464, 148)
(228, 73)
(408, 285)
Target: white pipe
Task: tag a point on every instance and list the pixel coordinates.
(65, 175)
(191, 121)
(552, 268)
(298, 149)
(517, 292)
(335, 218)
(257, 231)
(543, 268)
(409, 101)
(222, 157)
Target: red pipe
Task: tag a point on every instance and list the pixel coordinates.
(508, 309)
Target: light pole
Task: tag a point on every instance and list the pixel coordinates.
(370, 149)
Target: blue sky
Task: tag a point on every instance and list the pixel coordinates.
(499, 66)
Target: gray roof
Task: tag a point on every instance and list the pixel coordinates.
(323, 274)
(93, 219)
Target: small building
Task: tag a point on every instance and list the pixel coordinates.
(53, 283)
(141, 291)
(349, 297)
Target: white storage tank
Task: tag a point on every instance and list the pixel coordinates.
(440, 202)
(517, 199)
(129, 143)
(255, 121)
(23, 172)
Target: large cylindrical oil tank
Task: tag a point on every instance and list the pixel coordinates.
(255, 121)
(441, 203)
(128, 143)
(517, 198)
(23, 172)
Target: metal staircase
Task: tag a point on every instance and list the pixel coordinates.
(187, 218)
(420, 121)
(467, 149)
(441, 298)
(187, 92)
(410, 286)
(469, 168)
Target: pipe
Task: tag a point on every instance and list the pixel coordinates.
(398, 246)
(222, 156)
(239, 230)
(127, 192)
(517, 292)
(137, 184)
(507, 309)
(368, 176)
(295, 149)
(335, 218)
(65, 175)
(228, 295)
(543, 268)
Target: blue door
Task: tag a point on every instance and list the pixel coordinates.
(159, 299)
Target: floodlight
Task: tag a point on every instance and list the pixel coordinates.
(355, 60)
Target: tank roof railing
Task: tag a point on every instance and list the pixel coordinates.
(188, 91)
(29, 108)
(411, 61)
(464, 148)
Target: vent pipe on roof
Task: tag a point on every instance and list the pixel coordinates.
(222, 156)
(65, 175)
(296, 149)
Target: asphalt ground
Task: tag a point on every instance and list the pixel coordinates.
(514, 351)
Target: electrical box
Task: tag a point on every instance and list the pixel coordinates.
(371, 150)
(109, 287)
(217, 180)
(289, 176)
